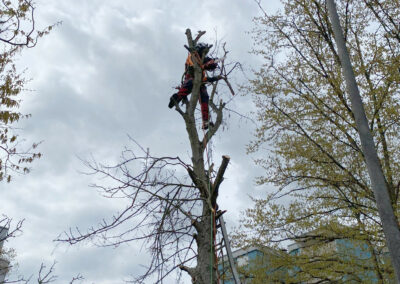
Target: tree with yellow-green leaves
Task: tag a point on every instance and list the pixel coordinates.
(17, 32)
(314, 155)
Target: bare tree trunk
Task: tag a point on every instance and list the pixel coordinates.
(206, 270)
(176, 213)
(389, 221)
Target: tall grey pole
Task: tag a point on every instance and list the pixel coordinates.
(385, 209)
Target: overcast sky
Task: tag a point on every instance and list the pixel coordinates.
(107, 72)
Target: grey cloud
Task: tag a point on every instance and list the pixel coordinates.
(106, 72)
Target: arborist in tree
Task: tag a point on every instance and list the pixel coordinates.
(208, 64)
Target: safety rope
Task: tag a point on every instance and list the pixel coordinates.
(215, 242)
(212, 214)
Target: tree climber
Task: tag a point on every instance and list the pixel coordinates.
(208, 64)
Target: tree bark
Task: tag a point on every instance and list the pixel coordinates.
(205, 271)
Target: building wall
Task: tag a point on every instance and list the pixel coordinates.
(357, 253)
(246, 261)
(4, 263)
(3, 234)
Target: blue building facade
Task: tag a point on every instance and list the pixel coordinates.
(357, 262)
(355, 253)
(246, 260)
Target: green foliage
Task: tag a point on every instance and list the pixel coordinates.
(17, 31)
(305, 121)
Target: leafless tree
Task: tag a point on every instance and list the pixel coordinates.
(171, 204)
(7, 229)
(45, 275)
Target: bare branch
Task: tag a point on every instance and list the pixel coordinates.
(167, 202)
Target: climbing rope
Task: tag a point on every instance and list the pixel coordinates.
(212, 213)
(213, 256)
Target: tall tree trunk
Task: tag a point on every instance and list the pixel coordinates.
(205, 271)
